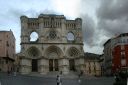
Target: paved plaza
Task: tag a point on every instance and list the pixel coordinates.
(37, 80)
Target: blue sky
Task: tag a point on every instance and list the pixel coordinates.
(97, 17)
(12, 10)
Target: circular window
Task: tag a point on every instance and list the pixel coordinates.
(33, 36)
(70, 36)
(52, 34)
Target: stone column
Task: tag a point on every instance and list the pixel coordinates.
(53, 65)
(63, 32)
(77, 64)
(43, 66)
(25, 66)
(64, 65)
(41, 30)
(80, 64)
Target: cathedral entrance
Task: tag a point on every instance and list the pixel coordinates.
(53, 65)
(34, 65)
(72, 64)
(53, 53)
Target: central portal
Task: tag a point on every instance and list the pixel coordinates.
(53, 53)
(53, 65)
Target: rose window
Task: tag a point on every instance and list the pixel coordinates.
(52, 34)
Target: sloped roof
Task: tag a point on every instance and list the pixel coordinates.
(92, 56)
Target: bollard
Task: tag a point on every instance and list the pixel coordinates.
(79, 81)
(14, 73)
(127, 81)
(0, 83)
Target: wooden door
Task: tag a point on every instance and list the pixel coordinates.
(34, 65)
(72, 64)
(56, 64)
(51, 65)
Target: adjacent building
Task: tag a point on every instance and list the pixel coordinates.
(92, 64)
(102, 64)
(120, 53)
(116, 53)
(17, 62)
(7, 50)
(108, 57)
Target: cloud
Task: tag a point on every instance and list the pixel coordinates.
(10, 17)
(88, 30)
(108, 19)
(113, 9)
(70, 8)
(113, 17)
(94, 38)
(86, 12)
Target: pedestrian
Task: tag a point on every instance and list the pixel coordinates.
(79, 80)
(81, 72)
(8, 70)
(14, 73)
(14, 70)
(0, 82)
(58, 80)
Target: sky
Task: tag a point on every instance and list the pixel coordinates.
(102, 19)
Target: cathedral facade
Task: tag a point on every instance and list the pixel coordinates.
(58, 47)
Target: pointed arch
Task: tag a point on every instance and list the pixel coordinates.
(73, 52)
(53, 52)
(33, 52)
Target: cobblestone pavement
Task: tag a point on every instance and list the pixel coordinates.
(31, 80)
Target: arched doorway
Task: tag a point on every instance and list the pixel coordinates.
(72, 53)
(53, 53)
(34, 54)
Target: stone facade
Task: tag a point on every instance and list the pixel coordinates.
(59, 46)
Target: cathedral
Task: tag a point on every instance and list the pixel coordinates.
(58, 47)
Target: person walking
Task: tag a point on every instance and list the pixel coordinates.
(58, 80)
(14, 70)
(8, 70)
